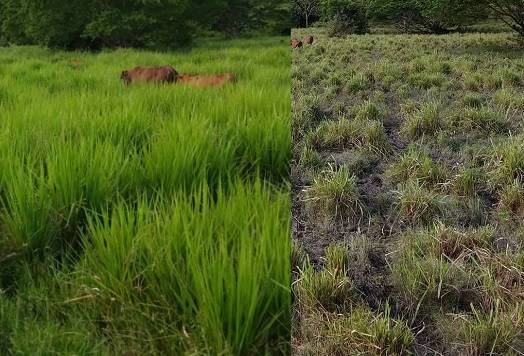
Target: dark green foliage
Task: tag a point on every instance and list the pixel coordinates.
(345, 16)
(136, 23)
(233, 17)
(509, 11)
(429, 16)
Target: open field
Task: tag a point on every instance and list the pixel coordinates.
(145, 219)
(408, 195)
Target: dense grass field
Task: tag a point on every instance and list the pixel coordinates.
(408, 195)
(146, 219)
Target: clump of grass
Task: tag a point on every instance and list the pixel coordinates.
(330, 289)
(494, 332)
(427, 80)
(299, 257)
(334, 193)
(334, 134)
(188, 279)
(306, 112)
(472, 100)
(509, 77)
(357, 83)
(492, 82)
(502, 277)
(368, 111)
(344, 133)
(481, 119)
(468, 182)
(460, 244)
(358, 332)
(360, 161)
(443, 67)
(416, 204)
(27, 213)
(424, 121)
(512, 199)
(374, 137)
(415, 164)
(310, 158)
(473, 82)
(507, 162)
(430, 269)
(509, 98)
(403, 91)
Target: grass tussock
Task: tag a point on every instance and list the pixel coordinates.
(334, 194)
(424, 121)
(345, 133)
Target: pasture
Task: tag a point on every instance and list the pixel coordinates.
(408, 195)
(145, 219)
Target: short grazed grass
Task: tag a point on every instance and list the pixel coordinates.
(428, 133)
(149, 219)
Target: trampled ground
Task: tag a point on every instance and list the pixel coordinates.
(145, 219)
(408, 195)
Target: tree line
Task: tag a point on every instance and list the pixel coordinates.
(94, 24)
(420, 16)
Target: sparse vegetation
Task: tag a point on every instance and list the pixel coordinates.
(426, 134)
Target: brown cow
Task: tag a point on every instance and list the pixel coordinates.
(308, 40)
(296, 43)
(165, 74)
(76, 62)
(206, 80)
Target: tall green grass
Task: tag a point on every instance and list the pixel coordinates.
(157, 213)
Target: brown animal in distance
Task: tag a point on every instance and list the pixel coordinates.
(296, 43)
(206, 80)
(76, 63)
(165, 74)
(308, 40)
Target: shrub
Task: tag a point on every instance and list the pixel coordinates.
(510, 12)
(345, 16)
(438, 16)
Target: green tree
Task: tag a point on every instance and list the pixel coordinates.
(345, 16)
(56, 23)
(511, 12)
(139, 23)
(235, 17)
(12, 25)
(429, 16)
(134, 23)
(306, 9)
